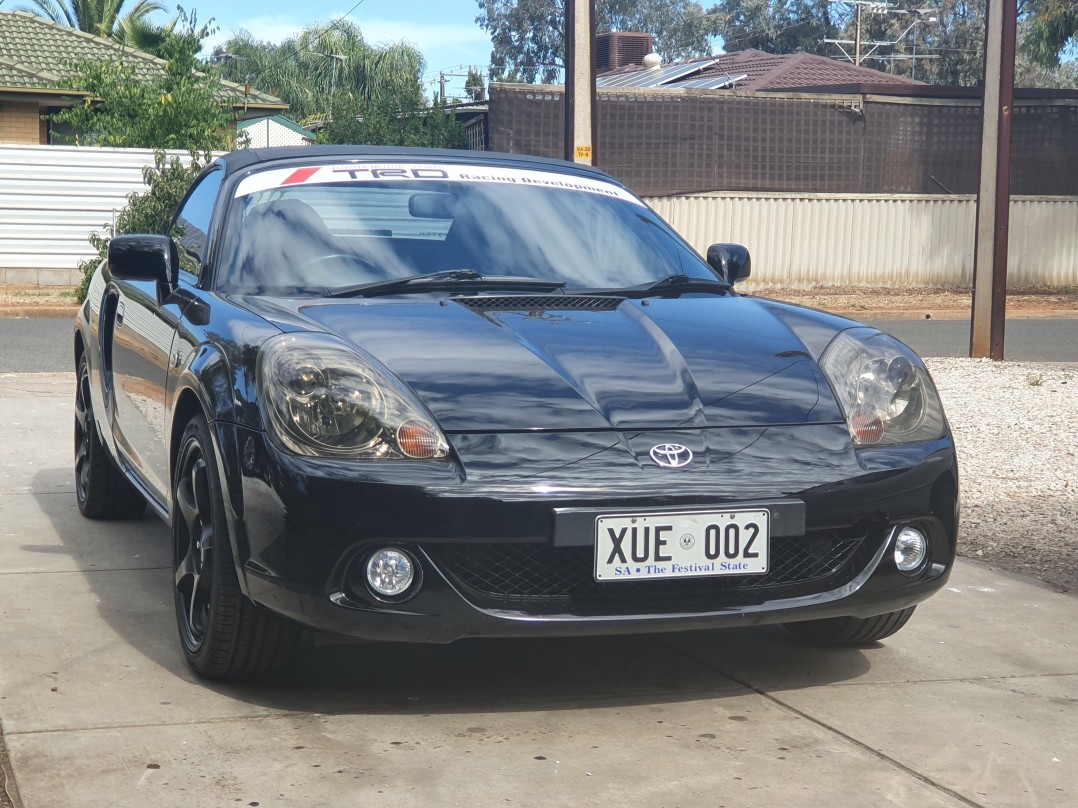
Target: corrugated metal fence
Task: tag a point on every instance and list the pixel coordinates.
(877, 240)
(52, 197)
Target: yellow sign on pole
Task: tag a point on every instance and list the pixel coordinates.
(583, 152)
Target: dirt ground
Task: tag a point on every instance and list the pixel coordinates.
(855, 301)
(846, 300)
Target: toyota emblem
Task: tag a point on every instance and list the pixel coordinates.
(671, 455)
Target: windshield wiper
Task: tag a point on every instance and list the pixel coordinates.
(448, 279)
(671, 284)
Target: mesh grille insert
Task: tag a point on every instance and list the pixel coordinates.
(540, 578)
(539, 303)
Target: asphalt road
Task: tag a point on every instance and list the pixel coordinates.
(36, 344)
(1047, 340)
(44, 344)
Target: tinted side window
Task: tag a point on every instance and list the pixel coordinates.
(193, 222)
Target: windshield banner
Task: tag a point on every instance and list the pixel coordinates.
(413, 172)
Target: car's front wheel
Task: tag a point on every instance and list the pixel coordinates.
(223, 634)
(101, 490)
(850, 630)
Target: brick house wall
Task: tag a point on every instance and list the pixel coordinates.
(22, 123)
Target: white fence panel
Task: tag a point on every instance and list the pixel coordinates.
(804, 240)
(1043, 242)
(52, 198)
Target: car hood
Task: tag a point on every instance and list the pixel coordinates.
(560, 362)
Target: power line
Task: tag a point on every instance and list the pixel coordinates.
(335, 24)
(922, 15)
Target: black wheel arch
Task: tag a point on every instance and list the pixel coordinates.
(200, 391)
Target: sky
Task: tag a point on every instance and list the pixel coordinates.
(444, 31)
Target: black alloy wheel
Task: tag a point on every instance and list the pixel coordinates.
(193, 558)
(102, 491)
(223, 634)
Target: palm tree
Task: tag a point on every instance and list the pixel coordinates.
(98, 17)
(146, 36)
(322, 66)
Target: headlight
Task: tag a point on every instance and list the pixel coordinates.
(883, 389)
(321, 398)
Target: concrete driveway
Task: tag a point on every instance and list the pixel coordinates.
(975, 703)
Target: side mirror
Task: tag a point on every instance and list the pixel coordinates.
(731, 261)
(144, 258)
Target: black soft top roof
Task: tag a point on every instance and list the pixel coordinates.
(244, 158)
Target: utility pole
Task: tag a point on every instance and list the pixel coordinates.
(580, 96)
(453, 73)
(337, 59)
(858, 42)
(989, 316)
(857, 36)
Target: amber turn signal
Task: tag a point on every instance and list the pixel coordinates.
(420, 439)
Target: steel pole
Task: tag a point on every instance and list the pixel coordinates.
(989, 314)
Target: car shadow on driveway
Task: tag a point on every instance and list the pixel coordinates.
(126, 568)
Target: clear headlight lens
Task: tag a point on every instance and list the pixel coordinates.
(322, 399)
(883, 388)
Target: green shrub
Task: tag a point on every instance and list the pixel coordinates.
(150, 211)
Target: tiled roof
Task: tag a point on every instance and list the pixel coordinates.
(35, 52)
(774, 71)
(771, 71)
(18, 76)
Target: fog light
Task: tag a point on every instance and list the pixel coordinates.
(390, 572)
(911, 550)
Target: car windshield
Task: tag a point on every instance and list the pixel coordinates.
(314, 230)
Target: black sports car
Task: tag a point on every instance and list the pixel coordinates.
(421, 395)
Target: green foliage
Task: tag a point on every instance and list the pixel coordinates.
(1032, 74)
(527, 35)
(393, 122)
(176, 109)
(950, 34)
(150, 211)
(786, 26)
(1052, 27)
(321, 67)
(148, 37)
(97, 17)
(474, 85)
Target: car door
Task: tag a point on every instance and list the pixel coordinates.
(144, 329)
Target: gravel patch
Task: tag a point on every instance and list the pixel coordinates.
(1015, 428)
(850, 300)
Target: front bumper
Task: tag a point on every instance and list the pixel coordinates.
(483, 531)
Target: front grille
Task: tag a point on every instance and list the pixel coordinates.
(539, 303)
(542, 579)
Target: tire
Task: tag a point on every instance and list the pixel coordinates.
(102, 490)
(850, 630)
(223, 634)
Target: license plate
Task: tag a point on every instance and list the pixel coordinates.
(688, 544)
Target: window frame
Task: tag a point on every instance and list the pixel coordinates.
(216, 174)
